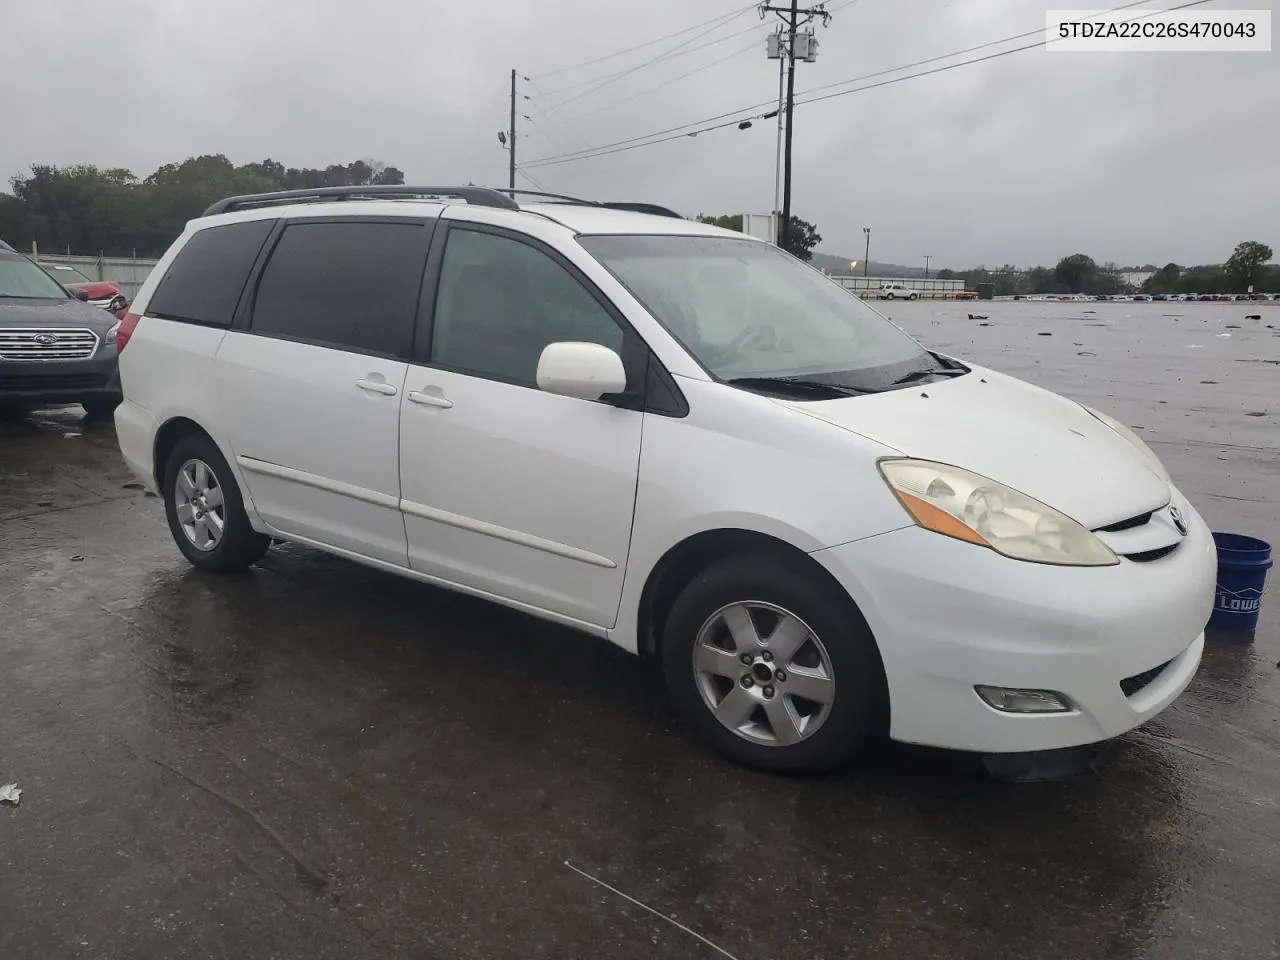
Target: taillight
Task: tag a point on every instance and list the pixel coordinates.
(127, 326)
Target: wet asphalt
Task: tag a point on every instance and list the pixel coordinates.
(317, 760)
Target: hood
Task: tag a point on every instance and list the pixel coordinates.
(1034, 441)
(54, 313)
(96, 289)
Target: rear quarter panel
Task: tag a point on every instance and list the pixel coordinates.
(167, 368)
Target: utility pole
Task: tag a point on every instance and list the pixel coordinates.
(511, 134)
(927, 258)
(866, 262)
(791, 44)
(791, 106)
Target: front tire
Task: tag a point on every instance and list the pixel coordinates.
(888, 296)
(912, 297)
(205, 510)
(773, 667)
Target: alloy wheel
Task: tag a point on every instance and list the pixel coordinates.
(201, 507)
(763, 673)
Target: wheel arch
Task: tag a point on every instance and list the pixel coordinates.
(685, 559)
(170, 434)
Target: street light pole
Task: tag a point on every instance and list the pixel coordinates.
(866, 261)
(927, 258)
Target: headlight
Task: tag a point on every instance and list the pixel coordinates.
(1133, 438)
(111, 333)
(963, 505)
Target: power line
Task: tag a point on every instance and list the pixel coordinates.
(552, 113)
(635, 142)
(528, 176)
(641, 46)
(957, 53)
(679, 50)
(549, 134)
(754, 45)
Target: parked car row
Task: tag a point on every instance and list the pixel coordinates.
(1153, 297)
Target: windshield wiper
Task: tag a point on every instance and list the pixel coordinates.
(915, 375)
(800, 385)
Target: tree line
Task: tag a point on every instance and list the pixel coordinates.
(802, 236)
(1247, 266)
(113, 212)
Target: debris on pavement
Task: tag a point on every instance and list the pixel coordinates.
(10, 793)
(977, 316)
(1044, 334)
(77, 558)
(1255, 316)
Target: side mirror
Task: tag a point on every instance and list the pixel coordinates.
(587, 371)
(81, 295)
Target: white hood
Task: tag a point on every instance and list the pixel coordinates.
(1034, 441)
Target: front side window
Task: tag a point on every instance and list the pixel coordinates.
(748, 312)
(20, 279)
(502, 301)
(349, 284)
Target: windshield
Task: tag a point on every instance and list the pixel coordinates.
(746, 310)
(20, 278)
(64, 274)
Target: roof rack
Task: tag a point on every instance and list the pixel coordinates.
(651, 208)
(480, 196)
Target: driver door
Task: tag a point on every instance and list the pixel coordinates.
(515, 493)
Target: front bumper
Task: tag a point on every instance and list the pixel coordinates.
(949, 615)
(62, 381)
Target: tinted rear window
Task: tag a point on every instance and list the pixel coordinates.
(351, 284)
(204, 281)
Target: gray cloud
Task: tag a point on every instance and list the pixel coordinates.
(1129, 157)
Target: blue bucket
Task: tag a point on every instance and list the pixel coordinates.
(1242, 573)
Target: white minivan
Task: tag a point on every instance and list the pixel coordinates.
(678, 439)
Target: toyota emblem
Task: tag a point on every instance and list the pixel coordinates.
(45, 339)
(1178, 520)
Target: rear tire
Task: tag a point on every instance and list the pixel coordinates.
(912, 297)
(205, 510)
(799, 633)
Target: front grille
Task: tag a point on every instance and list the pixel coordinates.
(1146, 556)
(1132, 686)
(39, 344)
(78, 381)
(1138, 521)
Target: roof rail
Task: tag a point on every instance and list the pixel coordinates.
(480, 196)
(651, 208)
(518, 192)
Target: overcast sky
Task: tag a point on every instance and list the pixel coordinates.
(1025, 158)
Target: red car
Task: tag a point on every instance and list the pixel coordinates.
(98, 293)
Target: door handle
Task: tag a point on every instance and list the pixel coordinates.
(377, 386)
(429, 400)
